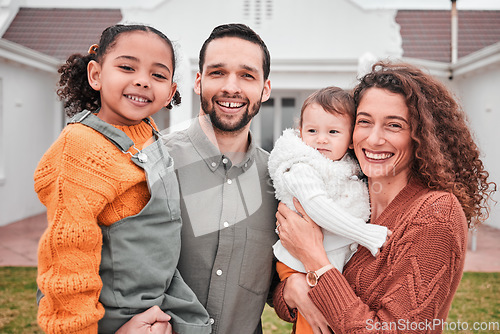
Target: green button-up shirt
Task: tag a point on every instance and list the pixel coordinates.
(228, 213)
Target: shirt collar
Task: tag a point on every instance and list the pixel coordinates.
(211, 154)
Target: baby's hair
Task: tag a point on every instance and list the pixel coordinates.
(332, 99)
(74, 88)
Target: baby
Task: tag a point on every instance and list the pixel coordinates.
(314, 165)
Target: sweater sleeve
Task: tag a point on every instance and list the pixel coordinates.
(425, 267)
(75, 191)
(305, 184)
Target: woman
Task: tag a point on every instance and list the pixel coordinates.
(427, 185)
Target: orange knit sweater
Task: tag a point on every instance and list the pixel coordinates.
(409, 286)
(84, 181)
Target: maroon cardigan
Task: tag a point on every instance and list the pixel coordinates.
(410, 285)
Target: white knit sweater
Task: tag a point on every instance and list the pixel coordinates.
(330, 192)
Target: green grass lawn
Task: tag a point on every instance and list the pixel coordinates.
(477, 301)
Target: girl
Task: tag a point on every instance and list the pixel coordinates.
(314, 166)
(112, 244)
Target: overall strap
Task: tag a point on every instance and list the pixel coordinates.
(116, 136)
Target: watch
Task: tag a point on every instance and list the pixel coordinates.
(312, 277)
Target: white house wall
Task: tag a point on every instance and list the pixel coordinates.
(480, 97)
(28, 125)
(312, 43)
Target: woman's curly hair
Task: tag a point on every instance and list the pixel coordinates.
(74, 88)
(445, 154)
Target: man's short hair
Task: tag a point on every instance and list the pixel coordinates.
(240, 31)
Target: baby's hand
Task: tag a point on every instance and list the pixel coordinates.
(389, 233)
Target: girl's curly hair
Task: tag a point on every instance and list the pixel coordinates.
(73, 86)
(445, 154)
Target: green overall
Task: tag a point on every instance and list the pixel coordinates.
(140, 252)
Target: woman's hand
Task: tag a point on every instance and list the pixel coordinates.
(151, 321)
(295, 295)
(301, 236)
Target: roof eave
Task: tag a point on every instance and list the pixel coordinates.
(478, 60)
(435, 68)
(23, 55)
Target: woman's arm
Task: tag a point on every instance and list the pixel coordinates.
(424, 265)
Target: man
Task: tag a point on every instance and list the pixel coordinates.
(227, 200)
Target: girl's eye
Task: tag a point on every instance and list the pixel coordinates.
(160, 76)
(333, 131)
(126, 68)
(311, 131)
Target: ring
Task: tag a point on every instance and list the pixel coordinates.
(276, 229)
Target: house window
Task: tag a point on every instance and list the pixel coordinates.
(276, 114)
(257, 11)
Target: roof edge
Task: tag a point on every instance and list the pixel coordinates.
(26, 56)
(435, 68)
(477, 60)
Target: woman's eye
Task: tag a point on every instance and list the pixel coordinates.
(362, 121)
(395, 126)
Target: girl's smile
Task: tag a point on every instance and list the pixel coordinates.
(134, 78)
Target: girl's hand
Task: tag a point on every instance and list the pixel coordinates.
(296, 296)
(301, 236)
(151, 321)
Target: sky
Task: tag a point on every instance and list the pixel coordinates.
(369, 4)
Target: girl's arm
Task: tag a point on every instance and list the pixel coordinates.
(69, 251)
(305, 184)
(425, 266)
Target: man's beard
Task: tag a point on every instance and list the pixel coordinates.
(220, 124)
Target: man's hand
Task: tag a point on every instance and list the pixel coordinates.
(151, 321)
(295, 295)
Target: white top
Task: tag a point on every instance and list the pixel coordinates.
(330, 192)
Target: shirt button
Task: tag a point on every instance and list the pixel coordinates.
(229, 181)
(224, 161)
(212, 321)
(219, 272)
(354, 247)
(246, 165)
(226, 224)
(214, 164)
